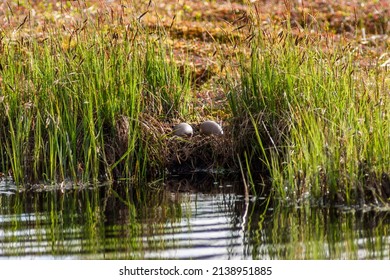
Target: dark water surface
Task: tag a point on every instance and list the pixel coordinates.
(180, 221)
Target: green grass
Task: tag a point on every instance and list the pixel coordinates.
(62, 98)
(319, 123)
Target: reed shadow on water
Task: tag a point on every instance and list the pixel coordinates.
(181, 220)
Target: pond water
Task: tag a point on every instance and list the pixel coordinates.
(180, 221)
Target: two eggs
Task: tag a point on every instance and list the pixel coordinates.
(205, 128)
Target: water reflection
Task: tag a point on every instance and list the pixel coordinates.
(178, 220)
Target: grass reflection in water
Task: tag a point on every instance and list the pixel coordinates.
(111, 222)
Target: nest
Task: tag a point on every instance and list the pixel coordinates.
(185, 154)
(167, 152)
(178, 155)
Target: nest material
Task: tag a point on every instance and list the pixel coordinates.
(165, 151)
(199, 153)
(185, 154)
(122, 127)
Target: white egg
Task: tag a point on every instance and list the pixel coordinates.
(183, 129)
(210, 127)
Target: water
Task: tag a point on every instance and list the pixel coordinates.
(180, 221)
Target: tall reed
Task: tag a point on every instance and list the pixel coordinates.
(319, 128)
(62, 99)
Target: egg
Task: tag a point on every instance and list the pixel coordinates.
(210, 128)
(183, 130)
